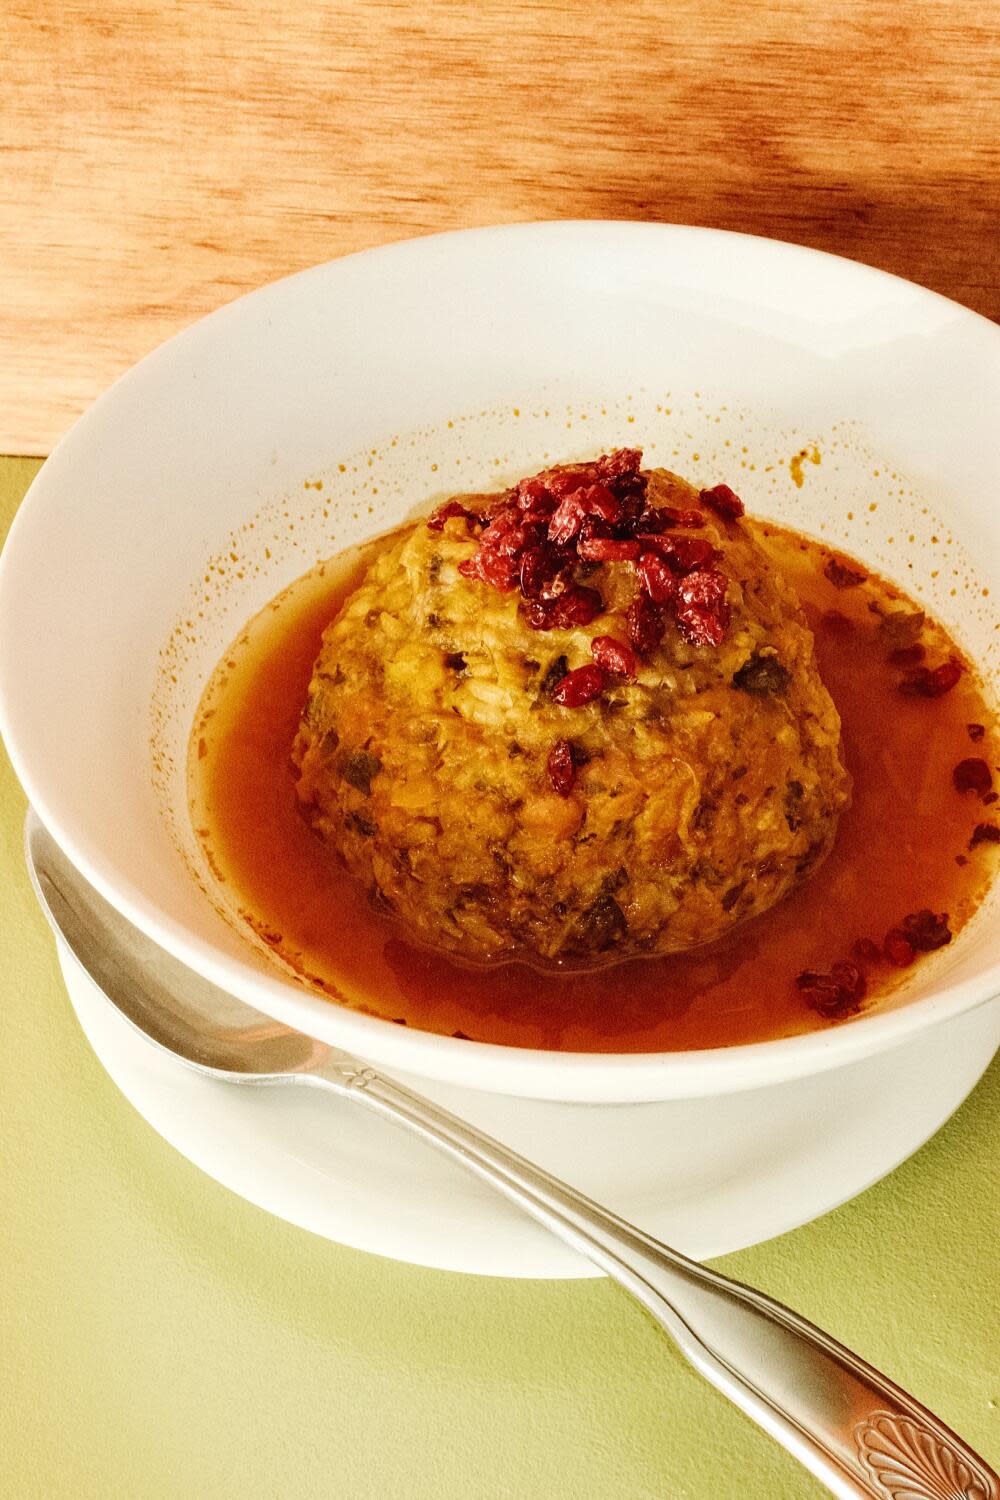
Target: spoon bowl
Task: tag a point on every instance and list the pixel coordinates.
(176, 1009)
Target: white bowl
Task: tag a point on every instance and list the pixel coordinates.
(455, 362)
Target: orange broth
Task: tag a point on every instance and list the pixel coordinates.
(902, 846)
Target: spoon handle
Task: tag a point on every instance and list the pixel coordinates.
(848, 1425)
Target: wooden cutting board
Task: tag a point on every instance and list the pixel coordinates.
(157, 160)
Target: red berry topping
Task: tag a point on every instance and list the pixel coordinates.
(922, 682)
(621, 463)
(683, 553)
(702, 607)
(607, 549)
(614, 656)
(445, 512)
(535, 534)
(491, 567)
(503, 513)
(925, 931)
(657, 578)
(644, 623)
(577, 606)
(834, 995)
(580, 686)
(561, 768)
(539, 566)
(566, 521)
(907, 656)
(597, 500)
(723, 500)
(533, 495)
(665, 515)
(841, 575)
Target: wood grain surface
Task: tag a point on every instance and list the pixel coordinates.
(159, 159)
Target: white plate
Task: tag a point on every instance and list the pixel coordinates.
(765, 1162)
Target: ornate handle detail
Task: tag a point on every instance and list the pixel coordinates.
(909, 1462)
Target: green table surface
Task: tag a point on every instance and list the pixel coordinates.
(161, 1338)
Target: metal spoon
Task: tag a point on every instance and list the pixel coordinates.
(847, 1424)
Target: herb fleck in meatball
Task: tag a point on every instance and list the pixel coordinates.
(577, 720)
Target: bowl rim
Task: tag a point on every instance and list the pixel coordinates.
(529, 1072)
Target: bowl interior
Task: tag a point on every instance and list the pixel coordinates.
(326, 408)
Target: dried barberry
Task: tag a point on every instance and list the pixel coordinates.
(644, 624)
(984, 833)
(540, 537)
(569, 516)
(835, 995)
(922, 682)
(684, 554)
(688, 554)
(671, 517)
(445, 512)
(539, 566)
(577, 606)
(597, 500)
(493, 568)
(566, 521)
(842, 575)
(563, 482)
(562, 579)
(580, 686)
(657, 578)
(513, 541)
(972, 775)
(654, 521)
(532, 492)
(907, 656)
(561, 767)
(723, 500)
(614, 656)
(621, 463)
(975, 732)
(607, 549)
(926, 931)
(500, 519)
(702, 608)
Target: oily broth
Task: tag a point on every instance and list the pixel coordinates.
(897, 849)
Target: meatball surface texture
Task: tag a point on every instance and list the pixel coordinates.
(509, 785)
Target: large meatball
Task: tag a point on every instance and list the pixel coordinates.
(504, 805)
